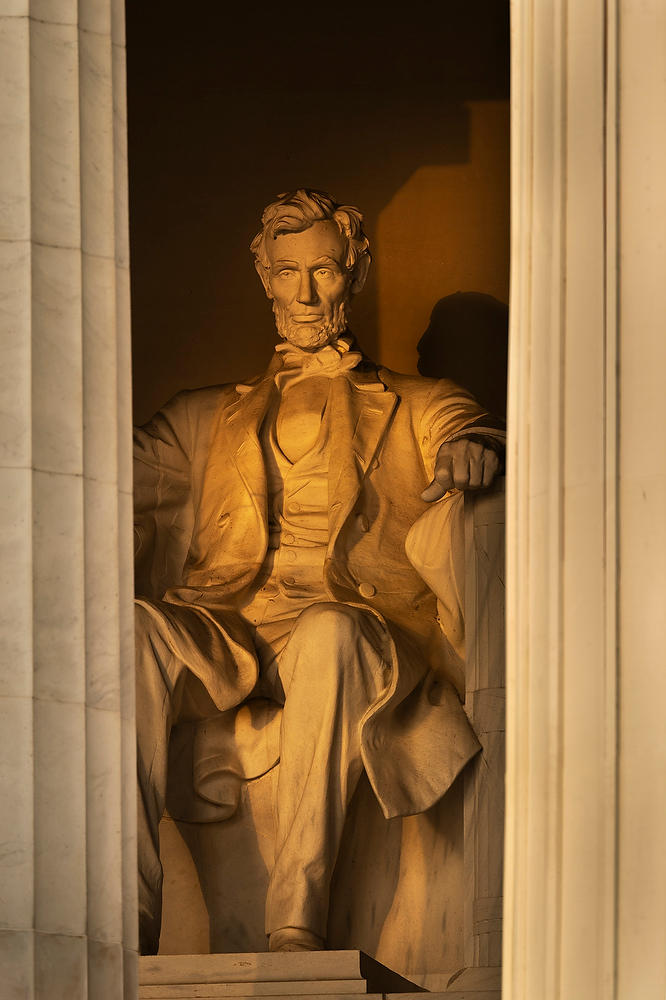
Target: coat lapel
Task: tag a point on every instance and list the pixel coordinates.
(361, 408)
(235, 449)
(242, 422)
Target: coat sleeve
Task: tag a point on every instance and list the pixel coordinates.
(163, 510)
(451, 413)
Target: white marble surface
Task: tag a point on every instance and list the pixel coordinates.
(120, 179)
(100, 392)
(105, 971)
(60, 966)
(15, 119)
(104, 826)
(16, 613)
(58, 601)
(15, 420)
(641, 924)
(54, 11)
(56, 360)
(124, 386)
(16, 817)
(54, 135)
(68, 825)
(288, 974)
(60, 817)
(96, 16)
(17, 963)
(118, 24)
(102, 636)
(16, 8)
(97, 153)
(586, 538)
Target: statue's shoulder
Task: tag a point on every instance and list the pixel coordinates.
(209, 397)
(417, 388)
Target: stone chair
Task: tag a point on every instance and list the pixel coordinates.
(422, 894)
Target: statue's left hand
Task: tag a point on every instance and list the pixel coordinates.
(462, 465)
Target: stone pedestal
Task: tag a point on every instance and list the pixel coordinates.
(333, 975)
(347, 974)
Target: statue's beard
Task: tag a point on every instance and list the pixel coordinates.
(309, 337)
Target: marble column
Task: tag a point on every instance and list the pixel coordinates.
(67, 825)
(585, 867)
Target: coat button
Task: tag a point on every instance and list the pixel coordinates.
(362, 522)
(367, 590)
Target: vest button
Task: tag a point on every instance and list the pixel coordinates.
(290, 556)
(288, 539)
(293, 507)
(362, 522)
(367, 590)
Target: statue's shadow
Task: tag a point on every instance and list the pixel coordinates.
(467, 341)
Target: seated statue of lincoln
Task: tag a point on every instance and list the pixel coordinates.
(292, 496)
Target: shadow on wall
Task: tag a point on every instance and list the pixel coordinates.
(467, 341)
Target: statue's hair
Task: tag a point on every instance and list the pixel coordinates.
(296, 211)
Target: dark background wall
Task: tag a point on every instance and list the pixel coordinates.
(401, 111)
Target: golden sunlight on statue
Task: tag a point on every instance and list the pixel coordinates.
(277, 597)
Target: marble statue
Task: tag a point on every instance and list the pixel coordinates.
(271, 523)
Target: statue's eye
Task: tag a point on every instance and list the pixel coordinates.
(324, 272)
(286, 272)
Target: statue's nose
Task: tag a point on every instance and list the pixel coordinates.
(307, 292)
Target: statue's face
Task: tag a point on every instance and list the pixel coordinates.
(309, 284)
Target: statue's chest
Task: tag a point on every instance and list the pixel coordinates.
(299, 417)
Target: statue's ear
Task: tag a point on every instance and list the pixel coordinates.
(264, 274)
(360, 273)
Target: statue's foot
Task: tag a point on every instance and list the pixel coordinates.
(294, 939)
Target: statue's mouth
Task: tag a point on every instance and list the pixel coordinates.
(306, 318)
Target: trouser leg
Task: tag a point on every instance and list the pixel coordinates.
(332, 670)
(159, 679)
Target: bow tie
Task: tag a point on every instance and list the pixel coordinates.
(330, 361)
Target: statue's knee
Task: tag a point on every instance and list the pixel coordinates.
(325, 640)
(149, 636)
(143, 623)
(327, 626)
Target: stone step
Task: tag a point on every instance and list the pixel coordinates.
(326, 974)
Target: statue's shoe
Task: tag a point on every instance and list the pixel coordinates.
(294, 939)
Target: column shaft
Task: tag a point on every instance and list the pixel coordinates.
(67, 921)
(585, 911)
(559, 931)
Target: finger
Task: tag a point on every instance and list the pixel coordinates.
(461, 472)
(442, 481)
(444, 472)
(476, 470)
(434, 491)
(490, 466)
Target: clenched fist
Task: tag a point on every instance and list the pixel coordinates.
(462, 465)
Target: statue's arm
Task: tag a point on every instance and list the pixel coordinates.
(163, 513)
(462, 444)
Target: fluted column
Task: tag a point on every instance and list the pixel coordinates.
(67, 827)
(585, 867)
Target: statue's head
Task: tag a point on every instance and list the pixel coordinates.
(312, 256)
